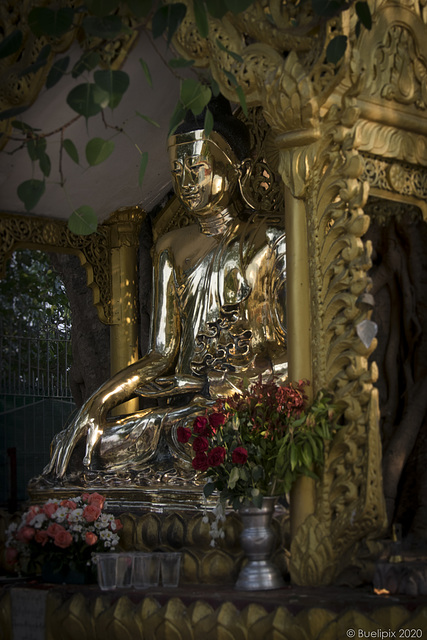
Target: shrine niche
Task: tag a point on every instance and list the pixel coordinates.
(349, 142)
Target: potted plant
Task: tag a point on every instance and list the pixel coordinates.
(60, 537)
(252, 447)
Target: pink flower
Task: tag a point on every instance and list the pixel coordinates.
(116, 525)
(11, 555)
(200, 444)
(216, 419)
(91, 512)
(216, 456)
(70, 504)
(200, 462)
(91, 538)
(41, 537)
(63, 539)
(183, 434)
(200, 426)
(32, 512)
(85, 497)
(96, 499)
(53, 529)
(25, 534)
(50, 509)
(239, 455)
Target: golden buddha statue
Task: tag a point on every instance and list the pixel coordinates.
(218, 318)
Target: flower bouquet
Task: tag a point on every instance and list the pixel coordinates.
(257, 442)
(63, 535)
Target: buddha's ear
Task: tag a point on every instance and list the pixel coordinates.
(244, 169)
(244, 173)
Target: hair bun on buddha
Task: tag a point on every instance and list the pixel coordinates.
(233, 130)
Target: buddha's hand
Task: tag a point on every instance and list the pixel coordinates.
(168, 386)
(87, 422)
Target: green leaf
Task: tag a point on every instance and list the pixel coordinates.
(177, 63)
(106, 28)
(242, 100)
(176, 118)
(101, 97)
(82, 100)
(233, 478)
(11, 43)
(194, 95)
(336, 49)
(233, 54)
(57, 71)
(101, 8)
(148, 119)
(217, 8)
(71, 149)
(364, 14)
(23, 126)
(45, 165)
(11, 113)
(237, 6)
(201, 17)
(215, 88)
(36, 148)
(146, 71)
(30, 192)
(115, 83)
(41, 61)
(293, 456)
(208, 123)
(83, 221)
(142, 167)
(168, 18)
(47, 22)
(98, 150)
(88, 61)
(208, 489)
(326, 8)
(232, 78)
(139, 8)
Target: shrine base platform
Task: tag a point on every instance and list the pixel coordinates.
(35, 611)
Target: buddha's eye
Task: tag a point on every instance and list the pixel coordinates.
(177, 168)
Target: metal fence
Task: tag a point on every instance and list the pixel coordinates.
(35, 401)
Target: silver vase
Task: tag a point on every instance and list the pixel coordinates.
(257, 541)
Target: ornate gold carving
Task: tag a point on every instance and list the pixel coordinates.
(101, 617)
(94, 251)
(383, 141)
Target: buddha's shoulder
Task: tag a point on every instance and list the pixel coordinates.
(176, 237)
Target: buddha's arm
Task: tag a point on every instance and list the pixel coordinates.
(160, 359)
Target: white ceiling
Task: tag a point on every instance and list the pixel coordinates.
(114, 183)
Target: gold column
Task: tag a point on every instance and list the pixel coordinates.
(299, 331)
(124, 225)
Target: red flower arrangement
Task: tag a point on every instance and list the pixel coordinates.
(64, 533)
(257, 442)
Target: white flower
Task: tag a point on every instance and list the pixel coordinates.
(75, 515)
(104, 521)
(38, 520)
(60, 514)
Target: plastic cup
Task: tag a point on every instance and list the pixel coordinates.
(170, 564)
(124, 570)
(106, 568)
(146, 570)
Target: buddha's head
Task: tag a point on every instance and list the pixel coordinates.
(206, 169)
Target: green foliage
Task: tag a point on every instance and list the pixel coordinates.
(71, 149)
(142, 167)
(336, 49)
(114, 83)
(98, 150)
(57, 71)
(83, 221)
(30, 192)
(48, 22)
(11, 44)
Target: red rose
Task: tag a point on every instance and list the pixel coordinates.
(41, 537)
(91, 512)
(216, 419)
(216, 456)
(96, 499)
(91, 538)
(63, 539)
(200, 462)
(53, 529)
(11, 555)
(239, 455)
(25, 534)
(183, 434)
(200, 444)
(50, 509)
(200, 426)
(32, 512)
(116, 525)
(70, 504)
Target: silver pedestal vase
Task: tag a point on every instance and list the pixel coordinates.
(257, 541)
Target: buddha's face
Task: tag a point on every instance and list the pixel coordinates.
(204, 173)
